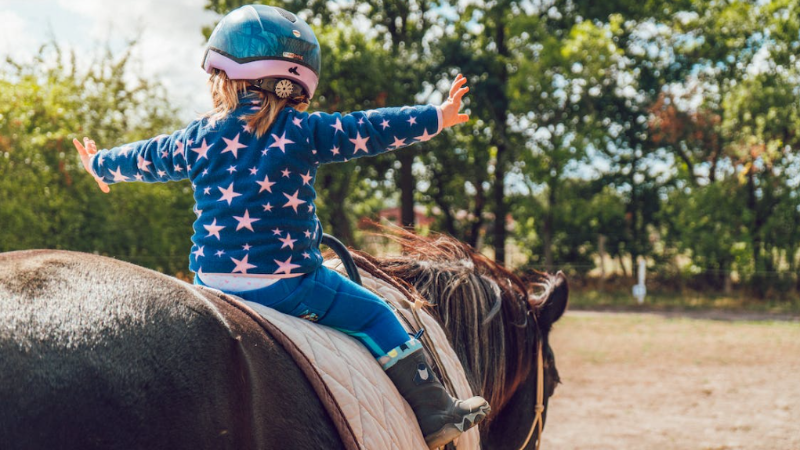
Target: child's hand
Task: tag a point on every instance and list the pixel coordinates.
(86, 154)
(450, 107)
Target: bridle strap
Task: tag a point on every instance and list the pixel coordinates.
(538, 422)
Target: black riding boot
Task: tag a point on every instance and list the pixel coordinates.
(441, 417)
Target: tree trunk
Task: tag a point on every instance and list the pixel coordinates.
(477, 221)
(438, 195)
(601, 250)
(501, 210)
(549, 224)
(500, 115)
(547, 237)
(407, 183)
(727, 285)
(634, 211)
(336, 190)
(622, 265)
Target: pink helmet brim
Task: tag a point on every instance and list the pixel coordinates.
(263, 68)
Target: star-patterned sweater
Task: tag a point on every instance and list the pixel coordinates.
(254, 197)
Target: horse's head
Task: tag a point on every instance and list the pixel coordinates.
(547, 308)
(521, 413)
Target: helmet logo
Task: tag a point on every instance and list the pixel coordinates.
(292, 55)
(296, 33)
(283, 89)
(294, 71)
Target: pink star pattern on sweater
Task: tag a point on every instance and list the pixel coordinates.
(266, 185)
(293, 202)
(288, 241)
(228, 194)
(233, 146)
(245, 221)
(242, 266)
(281, 142)
(202, 151)
(285, 266)
(214, 229)
(361, 143)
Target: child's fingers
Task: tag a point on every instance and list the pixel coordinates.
(456, 98)
(461, 118)
(85, 153)
(457, 84)
(91, 147)
(81, 150)
(103, 186)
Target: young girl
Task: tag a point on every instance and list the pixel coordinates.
(252, 162)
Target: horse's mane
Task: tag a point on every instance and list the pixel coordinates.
(482, 306)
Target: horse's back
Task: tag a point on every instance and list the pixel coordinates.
(98, 353)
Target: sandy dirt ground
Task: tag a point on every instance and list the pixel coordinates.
(647, 381)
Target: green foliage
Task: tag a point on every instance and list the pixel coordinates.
(48, 199)
(579, 217)
(354, 80)
(706, 224)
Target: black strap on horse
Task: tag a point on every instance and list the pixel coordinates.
(344, 256)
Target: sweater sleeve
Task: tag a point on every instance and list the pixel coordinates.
(160, 159)
(338, 138)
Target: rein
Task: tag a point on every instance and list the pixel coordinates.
(538, 421)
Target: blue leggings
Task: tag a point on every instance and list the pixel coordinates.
(328, 298)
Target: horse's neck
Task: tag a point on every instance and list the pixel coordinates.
(514, 417)
(511, 425)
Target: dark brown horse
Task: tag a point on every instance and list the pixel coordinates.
(98, 353)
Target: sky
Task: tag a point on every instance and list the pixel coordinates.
(170, 47)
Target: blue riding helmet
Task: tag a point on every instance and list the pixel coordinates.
(255, 42)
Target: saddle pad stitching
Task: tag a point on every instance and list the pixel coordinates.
(373, 411)
(346, 433)
(372, 408)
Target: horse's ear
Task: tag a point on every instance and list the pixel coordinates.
(556, 302)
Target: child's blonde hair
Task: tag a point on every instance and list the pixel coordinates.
(225, 96)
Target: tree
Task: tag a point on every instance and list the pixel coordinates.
(48, 199)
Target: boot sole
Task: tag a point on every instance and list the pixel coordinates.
(451, 431)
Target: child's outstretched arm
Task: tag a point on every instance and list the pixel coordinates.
(161, 159)
(338, 138)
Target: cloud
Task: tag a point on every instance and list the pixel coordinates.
(169, 42)
(15, 36)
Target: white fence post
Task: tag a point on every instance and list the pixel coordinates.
(639, 290)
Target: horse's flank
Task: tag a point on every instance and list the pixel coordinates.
(98, 353)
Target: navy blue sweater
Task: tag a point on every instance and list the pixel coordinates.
(254, 197)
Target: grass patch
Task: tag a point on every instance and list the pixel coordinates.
(669, 301)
